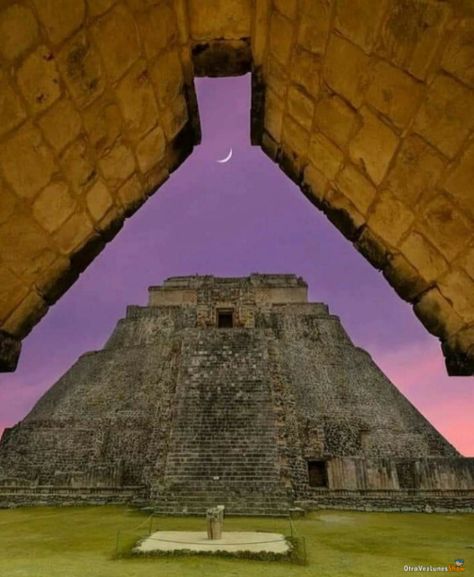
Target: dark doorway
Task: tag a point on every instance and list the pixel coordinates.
(317, 474)
(225, 319)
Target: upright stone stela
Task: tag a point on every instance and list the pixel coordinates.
(232, 391)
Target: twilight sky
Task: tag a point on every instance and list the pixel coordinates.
(234, 219)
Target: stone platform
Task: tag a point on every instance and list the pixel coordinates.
(236, 542)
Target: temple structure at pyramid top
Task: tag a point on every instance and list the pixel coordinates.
(234, 391)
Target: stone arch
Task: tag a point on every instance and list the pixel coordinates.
(367, 106)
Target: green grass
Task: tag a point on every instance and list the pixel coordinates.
(80, 542)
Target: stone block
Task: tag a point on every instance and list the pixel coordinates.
(219, 19)
(373, 248)
(26, 149)
(357, 188)
(99, 201)
(12, 291)
(151, 149)
(8, 203)
(446, 116)
(175, 117)
(276, 77)
(53, 206)
(315, 20)
(103, 122)
(281, 35)
(467, 260)
(423, 256)
(98, 7)
(300, 107)
(78, 166)
(31, 309)
(390, 219)
(286, 7)
(137, 101)
(116, 36)
(343, 214)
(12, 112)
(158, 29)
(373, 146)
(167, 77)
(81, 70)
(412, 34)
(359, 20)
(38, 79)
(415, 172)
(346, 69)
(181, 11)
(61, 124)
(18, 31)
(117, 165)
(394, 93)
(460, 182)
(458, 288)
(74, 233)
(404, 278)
(336, 119)
(325, 155)
(273, 120)
(445, 226)
(437, 314)
(458, 55)
(305, 71)
(131, 194)
(315, 184)
(60, 18)
(296, 137)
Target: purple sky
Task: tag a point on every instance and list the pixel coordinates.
(234, 219)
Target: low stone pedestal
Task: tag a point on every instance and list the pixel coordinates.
(215, 522)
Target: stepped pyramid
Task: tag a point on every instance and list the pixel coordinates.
(234, 391)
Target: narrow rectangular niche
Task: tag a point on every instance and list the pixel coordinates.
(225, 319)
(317, 474)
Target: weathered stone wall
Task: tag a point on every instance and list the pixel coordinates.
(366, 105)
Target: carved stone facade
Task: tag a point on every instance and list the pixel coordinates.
(234, 391)
(366, 104)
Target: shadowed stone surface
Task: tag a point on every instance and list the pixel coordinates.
(182, 413)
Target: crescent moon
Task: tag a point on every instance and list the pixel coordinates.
(226, 159)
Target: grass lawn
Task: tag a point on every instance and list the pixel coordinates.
(81, 541)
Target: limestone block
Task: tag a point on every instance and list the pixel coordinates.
(315, 16)
(315, 182)
(276, 77)
(359, 20)
(415, 172)
(219, 19)
(325, 155)
(447, 115)
(117, 165)
(281, 34)
(458, 288)
(131, 194)
(38, 79)
(98, 200)
(286, 7)
(346, 69)
(296, 137)
(61, 124)
(343, 213)
(81, 70)
(373, 248)
(390, 218)
(273, 115)
(116, 36)
(26, 149)
(78, 165)
(18, 31)
(300, 107)
(460, 182)
(8, 203)
(60, 18)
(467, 260)
(423, 256)
(54, 280)
(357, 188)
(26, 315)
(445, 226)
(305, 71)
(412, 33)
(137, 101)
(404, 278)
(151, 149)
(167, 77)
(260, 30)
(74, 233)
(373, 146)
(175, 117)
(158, 29)
(181, 11)
(394, 93)
(103, 122)
(458, 57)
(336, 119)
(11, 109)
(12, 291)
(53, 206)
(437, 314)
(97, 7)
